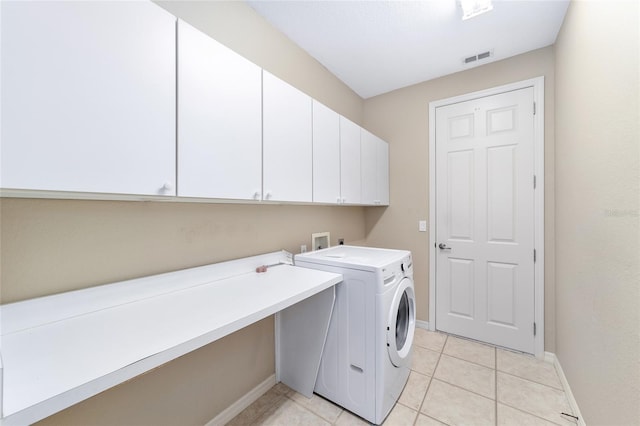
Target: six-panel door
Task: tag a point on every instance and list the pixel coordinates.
(484, 219)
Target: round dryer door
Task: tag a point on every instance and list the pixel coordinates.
(402, 322)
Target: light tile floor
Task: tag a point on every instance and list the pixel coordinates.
(453, 382)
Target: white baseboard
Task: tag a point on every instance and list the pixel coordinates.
(422, 324)
(552, 358)
(236, 408)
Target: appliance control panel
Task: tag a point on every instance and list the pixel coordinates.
(406, 266)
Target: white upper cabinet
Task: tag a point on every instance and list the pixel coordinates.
(350, 188)
(336, 157)
(88, 97)
(220, 120)
(375, 170)
(383, 173)
(287, 144)
(97, 97)
(326, 154)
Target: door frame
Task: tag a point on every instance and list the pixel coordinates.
(538, 167)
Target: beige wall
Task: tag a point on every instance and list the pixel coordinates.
(402, 118)
(598, 209)
(49, 246)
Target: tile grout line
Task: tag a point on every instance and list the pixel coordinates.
(464, 389)
(318, 416)
(459, 386)
(267, 410)
(477, 364)
(523, 410)
(532, 381)
(337, 418)
(495, 353)
(259, 413)
(520, 409)
(534, 366)
(531, 414)
(431, 379)
(429, 349)
(289, 396)
(469, 361)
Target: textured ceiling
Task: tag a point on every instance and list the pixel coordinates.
(378, 46)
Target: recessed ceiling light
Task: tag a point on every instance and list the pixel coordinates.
(471, 8)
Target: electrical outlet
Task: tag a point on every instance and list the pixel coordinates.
(303, 248)
(341, 241)
(422, 226)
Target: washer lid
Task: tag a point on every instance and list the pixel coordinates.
(353, 255)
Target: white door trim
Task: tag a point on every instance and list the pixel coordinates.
(538, 167)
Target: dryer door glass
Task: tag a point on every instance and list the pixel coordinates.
(402, 321)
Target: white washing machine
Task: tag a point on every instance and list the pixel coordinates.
(367, 355)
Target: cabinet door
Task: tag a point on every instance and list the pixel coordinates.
(326, 154)
(369, 156)
(88, 97)
(220, 119)
(350, 188)
(375, 170)
(383, 172)
(287, 146)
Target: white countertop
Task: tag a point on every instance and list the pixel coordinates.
(62, 349)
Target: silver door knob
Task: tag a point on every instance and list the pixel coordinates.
(443, 246)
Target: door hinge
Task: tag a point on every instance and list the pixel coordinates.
(534, 256)
(534, 329)
(534, 182)
(534, 108)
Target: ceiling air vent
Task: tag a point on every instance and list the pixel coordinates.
(478, 57)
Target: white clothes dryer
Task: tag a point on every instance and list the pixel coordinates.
(367, 355)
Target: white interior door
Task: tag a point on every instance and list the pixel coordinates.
(485, 219)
